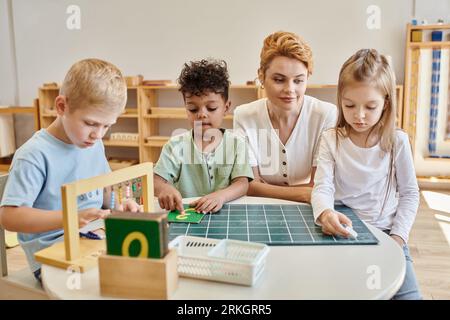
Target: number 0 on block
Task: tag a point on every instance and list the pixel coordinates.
(131, 234)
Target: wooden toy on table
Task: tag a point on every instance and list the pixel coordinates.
(149, 231)
(138, 263)
(83, 254)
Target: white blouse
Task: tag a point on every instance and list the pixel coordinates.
(288, 164)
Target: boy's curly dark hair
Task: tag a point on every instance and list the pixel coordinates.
(199, 77)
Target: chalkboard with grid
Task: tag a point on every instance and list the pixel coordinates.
(273, 224)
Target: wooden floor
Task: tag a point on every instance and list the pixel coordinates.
(429, 244)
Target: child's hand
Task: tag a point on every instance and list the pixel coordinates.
(209, 203)
(332, 223)
(170, 199)
(130, 205)
(87, 215)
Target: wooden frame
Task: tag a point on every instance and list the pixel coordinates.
(411, 88)
(84, 254)
(411, 72)
(3, 264)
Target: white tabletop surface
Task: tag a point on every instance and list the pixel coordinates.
(291, 272)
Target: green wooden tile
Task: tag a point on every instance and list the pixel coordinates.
(189, 216)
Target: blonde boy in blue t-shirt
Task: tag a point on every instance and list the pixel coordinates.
(91, 98)
(206, 161)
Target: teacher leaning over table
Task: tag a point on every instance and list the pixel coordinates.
(283, 129)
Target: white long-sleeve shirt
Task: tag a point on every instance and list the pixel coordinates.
(358, 178)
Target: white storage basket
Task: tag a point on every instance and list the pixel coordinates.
(220, 260)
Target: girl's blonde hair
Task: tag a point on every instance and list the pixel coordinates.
(367, 66)
(285, 44)
(94, 83)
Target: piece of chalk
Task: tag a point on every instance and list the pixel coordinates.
(353, 233)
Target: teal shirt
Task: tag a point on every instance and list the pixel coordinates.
(194, 173)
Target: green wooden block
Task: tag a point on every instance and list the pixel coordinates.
(136, 234)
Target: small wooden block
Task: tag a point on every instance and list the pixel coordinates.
(138, 278)
(416, 36)
(136, 234)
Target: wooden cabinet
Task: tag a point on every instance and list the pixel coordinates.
(152, 115)
(163, 114)
(155, 113)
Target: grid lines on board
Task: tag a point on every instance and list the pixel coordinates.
(273, 224)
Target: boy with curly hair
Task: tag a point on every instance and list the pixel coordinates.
(206, 161)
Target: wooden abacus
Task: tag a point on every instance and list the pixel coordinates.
(82, 254)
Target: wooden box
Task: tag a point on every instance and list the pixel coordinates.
(138, 278)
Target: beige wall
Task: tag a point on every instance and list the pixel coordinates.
(156, 37)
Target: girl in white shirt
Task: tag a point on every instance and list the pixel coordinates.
(365, 163)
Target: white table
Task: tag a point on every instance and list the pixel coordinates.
(292, 272)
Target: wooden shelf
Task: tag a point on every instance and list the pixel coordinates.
(124, 115)
(430, 183)
(436, 159)
(321, 86)
(156, 141)
(50, 88)
(244, 86)
(434, 179)
(171, 113)
(169, 87)
(431, 27)
(129, 114)
(166, 111)
(49, 115)
(412, 74)
(119, 143)
(17, 110)
(5, 162)
(430, 44)
(176, 116)
(117, 164)
(172, 87)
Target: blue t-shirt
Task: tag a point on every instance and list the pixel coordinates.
(39, 168)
